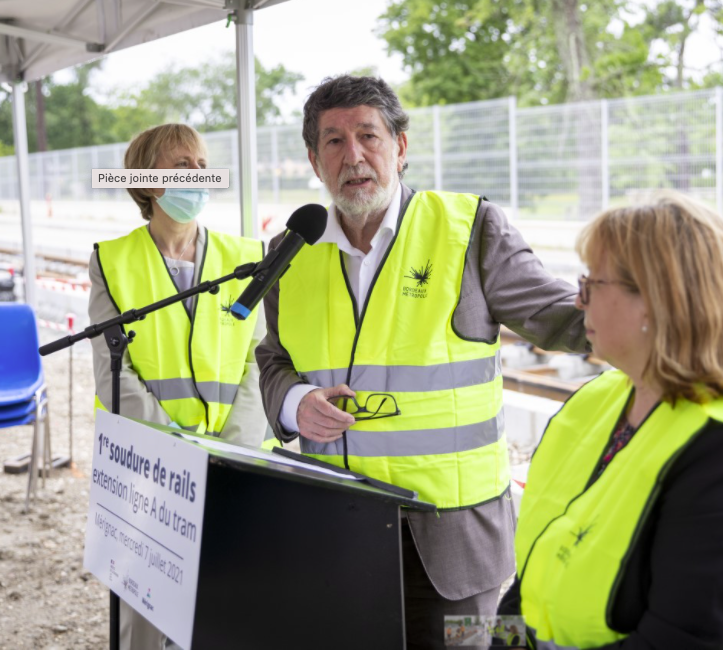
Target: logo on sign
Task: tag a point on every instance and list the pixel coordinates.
(147, 600)
(113, 573)
(130, 585)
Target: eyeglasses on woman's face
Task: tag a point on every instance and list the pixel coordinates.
(584, 283)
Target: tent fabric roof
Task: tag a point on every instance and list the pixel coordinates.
(39, 37)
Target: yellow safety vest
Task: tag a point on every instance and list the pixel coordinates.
(448, 444)
(193, 364)
(573, 541)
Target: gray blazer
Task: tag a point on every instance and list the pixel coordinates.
(469, 551)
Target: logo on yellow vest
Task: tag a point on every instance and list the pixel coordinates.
(421, 276)
(227, 318)
(581, 534)
(564, 553)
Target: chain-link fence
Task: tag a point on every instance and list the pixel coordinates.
(551, 162)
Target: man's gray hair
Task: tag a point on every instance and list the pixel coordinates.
(346, 91)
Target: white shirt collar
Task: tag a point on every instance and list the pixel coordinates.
(334, 234)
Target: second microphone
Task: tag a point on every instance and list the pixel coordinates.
(305, 226)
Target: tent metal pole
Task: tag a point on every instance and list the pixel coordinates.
(246, 102)
(20, 134)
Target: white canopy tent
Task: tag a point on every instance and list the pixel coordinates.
(39, 37)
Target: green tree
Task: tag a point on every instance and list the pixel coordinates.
(710, 80)
(625, 66)
(203, 96)
(455, 51)
(671, 23)
(7, 146)
(542, 51)
(573, 48)
(73, 117)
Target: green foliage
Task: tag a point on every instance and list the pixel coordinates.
(73, 118)
(203, 96)
(623, 66)
(483, 49)
(131, 119)
(270, 85)
(454, 51)
(7, 147)
(710, 80)
(670, 23)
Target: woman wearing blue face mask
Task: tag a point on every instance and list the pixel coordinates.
(192, 364)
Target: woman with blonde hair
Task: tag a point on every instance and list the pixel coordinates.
(191, 365)
(620, 535)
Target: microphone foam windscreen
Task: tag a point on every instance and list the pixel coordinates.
(309, 221)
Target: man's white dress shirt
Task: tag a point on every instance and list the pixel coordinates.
(360, 269)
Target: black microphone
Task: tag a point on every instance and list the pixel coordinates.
(305, 226)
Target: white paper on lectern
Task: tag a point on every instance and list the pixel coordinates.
(149, 557)
(250, 452)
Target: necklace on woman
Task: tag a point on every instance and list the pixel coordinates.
(174, 270)
(624, 431)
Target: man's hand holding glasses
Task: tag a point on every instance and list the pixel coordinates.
(318, 419)
(321, 421)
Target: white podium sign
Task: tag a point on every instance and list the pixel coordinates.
(143, 538)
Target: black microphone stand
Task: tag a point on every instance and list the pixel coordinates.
(117, 341)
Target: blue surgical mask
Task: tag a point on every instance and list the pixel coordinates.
(183, 206)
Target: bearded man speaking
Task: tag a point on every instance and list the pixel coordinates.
(397, 309)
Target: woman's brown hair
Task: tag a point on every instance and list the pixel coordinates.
(670, 250)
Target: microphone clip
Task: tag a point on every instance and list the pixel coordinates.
(246, 270)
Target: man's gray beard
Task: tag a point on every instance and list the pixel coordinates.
(360, 206)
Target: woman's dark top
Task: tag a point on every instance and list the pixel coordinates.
(671, 596)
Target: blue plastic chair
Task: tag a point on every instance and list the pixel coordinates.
(23, 394)
(21, 373)
(15, 411)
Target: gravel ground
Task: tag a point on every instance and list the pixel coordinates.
(47, 600)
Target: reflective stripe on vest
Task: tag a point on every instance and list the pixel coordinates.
(413, 379)
(423, 441)
(211, 391)
(192, 365)
(573, 541)
(448, 444)
(199, 428)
